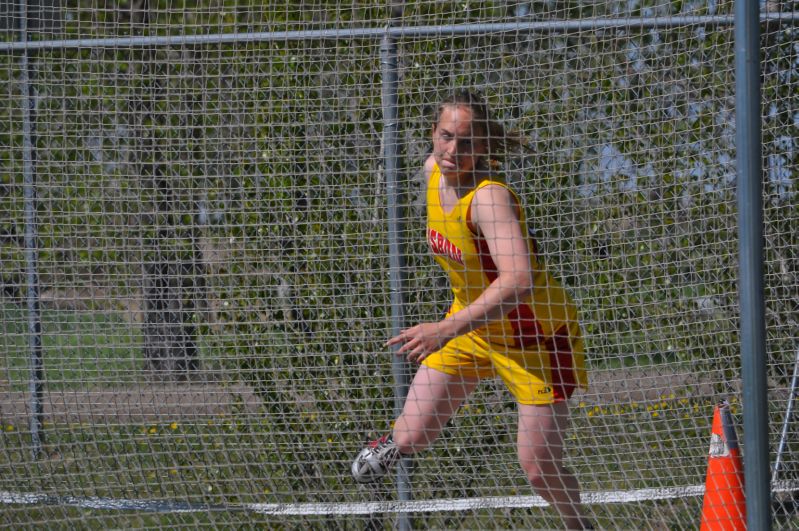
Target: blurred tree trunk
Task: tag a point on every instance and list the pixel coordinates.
(170, 288)
(173, 271)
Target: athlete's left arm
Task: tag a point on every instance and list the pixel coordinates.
(495, 217)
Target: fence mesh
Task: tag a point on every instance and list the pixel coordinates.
(213, 270)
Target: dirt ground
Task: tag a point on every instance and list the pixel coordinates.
(158, 402)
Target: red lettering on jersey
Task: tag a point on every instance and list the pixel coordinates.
(440, 245)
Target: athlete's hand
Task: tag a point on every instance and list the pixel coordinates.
(421, 340)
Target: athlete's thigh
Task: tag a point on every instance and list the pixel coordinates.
(432, 399)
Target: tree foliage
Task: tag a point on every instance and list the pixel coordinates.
(268, 162)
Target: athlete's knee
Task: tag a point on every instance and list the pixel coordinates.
(536, 474)
(410, 440)
(542, 473)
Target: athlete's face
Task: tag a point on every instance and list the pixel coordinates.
(457, 143)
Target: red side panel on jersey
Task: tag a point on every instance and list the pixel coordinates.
(561, 363)
(526, 328)
(527, 332)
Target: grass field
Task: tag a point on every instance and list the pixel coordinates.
(225, 464)
(216, 465)
(219, 467)
(78, 348)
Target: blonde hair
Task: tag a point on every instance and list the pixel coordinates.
(498, 140)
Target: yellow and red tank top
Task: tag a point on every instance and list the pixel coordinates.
(543, 320)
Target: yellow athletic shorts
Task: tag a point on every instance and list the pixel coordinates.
(541, 374)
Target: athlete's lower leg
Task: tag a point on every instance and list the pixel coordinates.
(432, 399)
(540, 445)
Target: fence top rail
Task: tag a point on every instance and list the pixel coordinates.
(542, 26)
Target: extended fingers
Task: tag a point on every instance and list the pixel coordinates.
(415, 343)
(394, 340)
(415, 355)
(402, 337)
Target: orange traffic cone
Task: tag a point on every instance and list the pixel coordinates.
(724, 507)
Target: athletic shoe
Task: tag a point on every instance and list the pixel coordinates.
(376, 460)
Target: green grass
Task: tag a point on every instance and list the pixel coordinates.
(277, 457)
(78, 348)
(227, 462)
(220, 464)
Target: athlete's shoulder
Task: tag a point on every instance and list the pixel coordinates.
(429, 166)
(492, 187)
(495, 197)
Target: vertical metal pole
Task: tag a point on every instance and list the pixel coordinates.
(392, 164)
(750, 282)
(31, 242)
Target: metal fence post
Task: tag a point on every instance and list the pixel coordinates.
(750, 285)
(392, 164)
(31, 241)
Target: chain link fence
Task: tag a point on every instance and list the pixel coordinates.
(195, 217)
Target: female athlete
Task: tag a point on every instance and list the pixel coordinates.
(509, 319)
